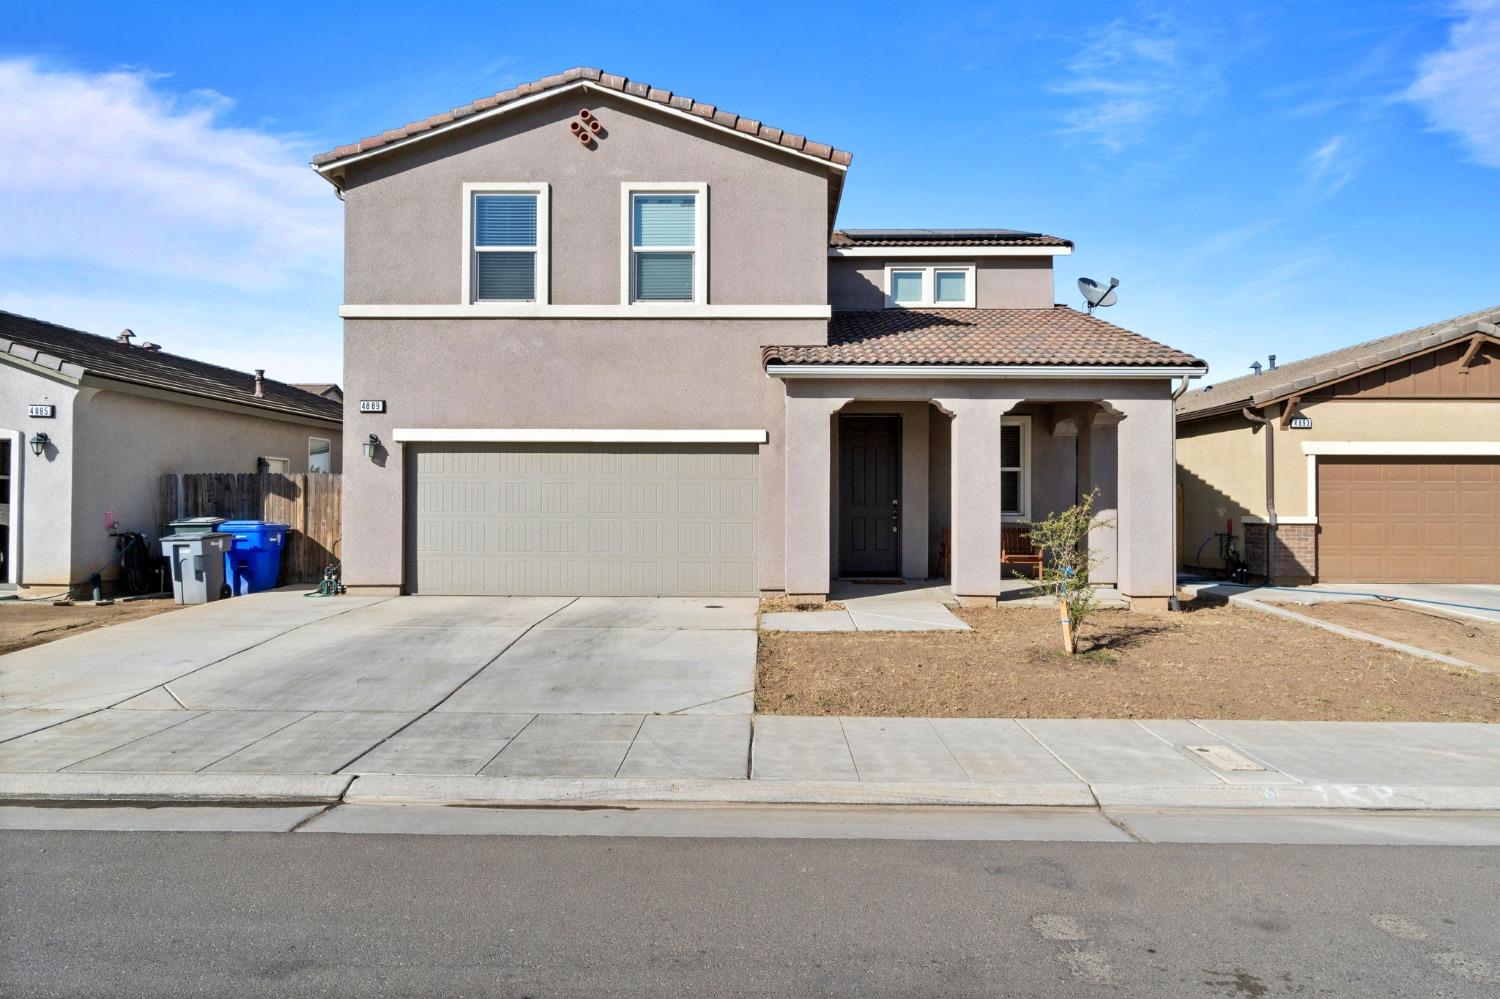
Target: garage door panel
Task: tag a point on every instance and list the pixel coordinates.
(1409, 519)
(603, 519)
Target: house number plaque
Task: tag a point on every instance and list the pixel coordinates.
(372, 405)
(45, 410)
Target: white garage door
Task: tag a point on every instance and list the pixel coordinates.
(598, 519)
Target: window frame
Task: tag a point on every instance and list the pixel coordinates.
(1024, 513)
(699, 249)
(542, 292)
(327, 450)
(929, 272)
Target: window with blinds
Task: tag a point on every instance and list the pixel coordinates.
(1014, 498)
(505, 248)
(663, 247)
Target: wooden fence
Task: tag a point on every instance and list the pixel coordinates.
(311, 503)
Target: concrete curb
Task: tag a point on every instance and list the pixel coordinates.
(1363, 797)
(1243, 600)
(219, 789)
(391, 789)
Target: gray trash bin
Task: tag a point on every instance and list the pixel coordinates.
(197, 564)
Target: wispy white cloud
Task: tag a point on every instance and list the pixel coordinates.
(1129, 76)
(1456, 86)
(118, 192)
(1330, 166)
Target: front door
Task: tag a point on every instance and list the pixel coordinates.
(870, 495)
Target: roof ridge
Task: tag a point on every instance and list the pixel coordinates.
(1348, 354)
(585, 76)
(158, 352)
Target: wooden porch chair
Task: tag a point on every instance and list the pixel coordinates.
(1016, 548)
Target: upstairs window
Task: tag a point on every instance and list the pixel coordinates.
(666, 254)
(507, 236)
(929, 286)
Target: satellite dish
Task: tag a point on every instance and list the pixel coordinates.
(1097, 295)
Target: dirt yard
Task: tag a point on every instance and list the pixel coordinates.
(1462, 638)
(23, 625)
(1212, 661)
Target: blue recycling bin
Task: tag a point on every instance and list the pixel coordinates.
(254, 558)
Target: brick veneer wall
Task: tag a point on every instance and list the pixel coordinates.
(1296, 557)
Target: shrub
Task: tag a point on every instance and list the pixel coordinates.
(1067, 564)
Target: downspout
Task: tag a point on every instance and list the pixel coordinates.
(1269, 422)
(1172, 602)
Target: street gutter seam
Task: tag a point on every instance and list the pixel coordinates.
(1048, 750)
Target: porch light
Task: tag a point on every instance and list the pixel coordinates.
(39, 444)
(369, 446)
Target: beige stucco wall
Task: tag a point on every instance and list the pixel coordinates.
(41, 538)
(1221, 461)
(548, 374)
(767, 239)
(404, 212)
(1000, 282)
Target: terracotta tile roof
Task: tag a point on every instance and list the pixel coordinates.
(1286, 379)
(76, 353)
(608, 81)
(943, 237)
(1058, 335)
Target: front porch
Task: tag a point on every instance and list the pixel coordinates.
(889, 479)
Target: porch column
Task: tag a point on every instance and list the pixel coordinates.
(1098, 469)
(809, 493)
(914, 490)
(1147, 502)
(975, 487)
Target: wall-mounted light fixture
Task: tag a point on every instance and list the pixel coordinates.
(262, 465)
(369, 446)
(39, 444)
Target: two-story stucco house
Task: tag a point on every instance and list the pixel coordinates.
(601, 338)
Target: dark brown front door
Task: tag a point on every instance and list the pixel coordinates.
(869, 495)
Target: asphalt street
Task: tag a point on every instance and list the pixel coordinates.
(324, 914)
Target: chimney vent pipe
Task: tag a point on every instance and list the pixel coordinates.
(260, 383)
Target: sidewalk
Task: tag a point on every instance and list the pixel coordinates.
(839, 761)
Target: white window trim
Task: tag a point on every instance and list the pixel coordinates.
(929, 271)
(543, 233)
(329, 452)
(699, 248)
(1024, 422)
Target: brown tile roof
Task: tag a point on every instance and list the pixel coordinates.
(76, 353)
(1288, 378)
(608, 81)
(1058, 335)
(943, 237)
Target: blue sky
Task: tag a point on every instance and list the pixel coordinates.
(1262, 177)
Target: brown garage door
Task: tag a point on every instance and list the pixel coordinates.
(1409, 520)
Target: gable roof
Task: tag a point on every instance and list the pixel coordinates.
(943, 237)
(1336, 365)
(1056, 336)
(588, 76)
(75, 354)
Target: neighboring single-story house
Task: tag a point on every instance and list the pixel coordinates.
(324, 389)
(1376, 463)
(603, 338)
(90, 423)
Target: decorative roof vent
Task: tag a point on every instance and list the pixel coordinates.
(148, 345)
(125, 336)
(260, 383)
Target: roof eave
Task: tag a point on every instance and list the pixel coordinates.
(779, 369)
(332, 169)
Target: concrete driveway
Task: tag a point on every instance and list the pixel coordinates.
(281, 683)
